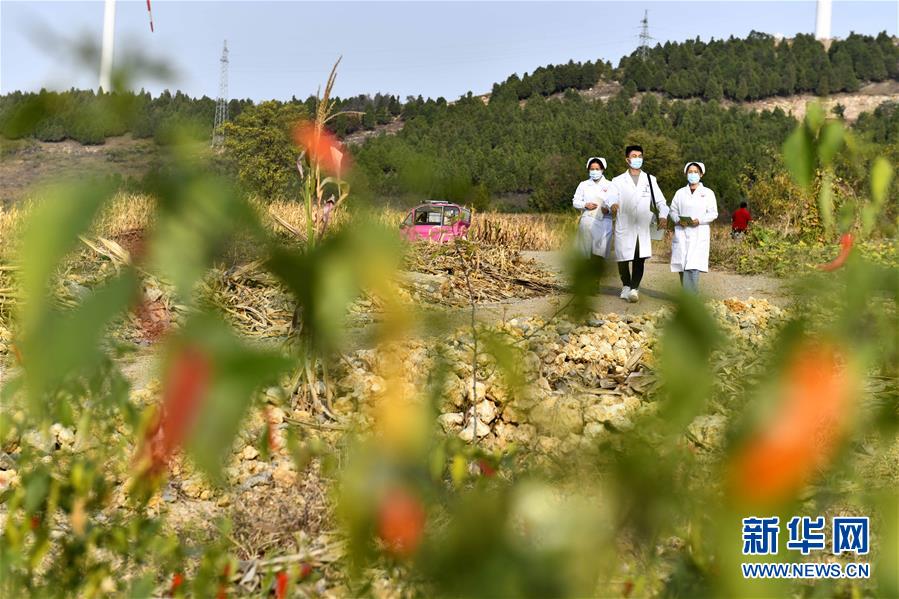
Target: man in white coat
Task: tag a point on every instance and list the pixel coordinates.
(693, 209)
(639, 197)
(594, 198)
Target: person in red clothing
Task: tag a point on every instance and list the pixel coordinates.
(740, 220)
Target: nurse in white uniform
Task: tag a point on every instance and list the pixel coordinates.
(639, 197)
(594, 198)
(693, 209)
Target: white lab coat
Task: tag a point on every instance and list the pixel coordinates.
(594, 228)
(635, 215)
(690, 245)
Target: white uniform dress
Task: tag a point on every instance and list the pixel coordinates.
(635, 215)
(690, 245)
(595, 228)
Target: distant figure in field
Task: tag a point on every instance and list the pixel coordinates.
(740, 221)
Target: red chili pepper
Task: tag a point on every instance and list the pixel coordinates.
(486, 469)
(177, 581)
(816, 397)
(185, 386)
(628, 588)
(281, 585)
(34, 522)
(305, 570)
(846, 241)
(226, 572)
(401, 522)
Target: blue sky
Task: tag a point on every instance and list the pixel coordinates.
(279, 49)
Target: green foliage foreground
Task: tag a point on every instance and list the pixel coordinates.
(449, 519)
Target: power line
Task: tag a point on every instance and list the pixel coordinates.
(400, 66)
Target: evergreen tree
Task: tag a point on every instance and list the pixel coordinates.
(713, 89)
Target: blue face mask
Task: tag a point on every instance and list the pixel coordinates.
(595, 175)
(693, 178)
(636, 162)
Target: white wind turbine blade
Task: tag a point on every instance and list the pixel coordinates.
(150, 12)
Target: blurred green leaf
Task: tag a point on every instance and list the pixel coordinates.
(584, 275)
(881, 177)
(199, 214)
(799, 156)
(239, 370)
(142, 587)
(325, 279)
(23, 118)
(51, 232)
(36, 489)
(65, 343)
(437, 462)
(825, 202)
(886, 568)
(830, 141)
(814, 116)
(458, 469)
(686, 345)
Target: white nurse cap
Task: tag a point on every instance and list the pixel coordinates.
(699, 164)
(601, 160)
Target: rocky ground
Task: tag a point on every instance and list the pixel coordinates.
(587, 381)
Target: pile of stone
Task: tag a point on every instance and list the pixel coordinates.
(583, 381)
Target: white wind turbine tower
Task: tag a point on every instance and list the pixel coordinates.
(822, 20)
(108, 46)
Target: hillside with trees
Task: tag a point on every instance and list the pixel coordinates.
(539, 149)
(90, 117)
(520, 141)
(761, 66)
(736, 69)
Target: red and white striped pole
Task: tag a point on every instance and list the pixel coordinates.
(150, 12)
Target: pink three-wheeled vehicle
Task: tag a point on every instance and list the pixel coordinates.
(436, 220)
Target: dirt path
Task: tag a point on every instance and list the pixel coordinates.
(658, 289)
(660, 285)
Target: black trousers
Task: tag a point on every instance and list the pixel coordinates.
(628, 278)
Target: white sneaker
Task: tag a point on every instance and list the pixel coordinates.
(625, 293)
(634, 296)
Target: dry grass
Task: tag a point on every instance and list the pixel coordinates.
(535, 232)
(513, 231)
(725, 252)
(271, 520)
(128, 213)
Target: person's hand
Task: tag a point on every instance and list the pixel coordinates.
(590, 206)
(695, 222)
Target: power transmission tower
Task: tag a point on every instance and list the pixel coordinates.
(645, 38)
(221, 106)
